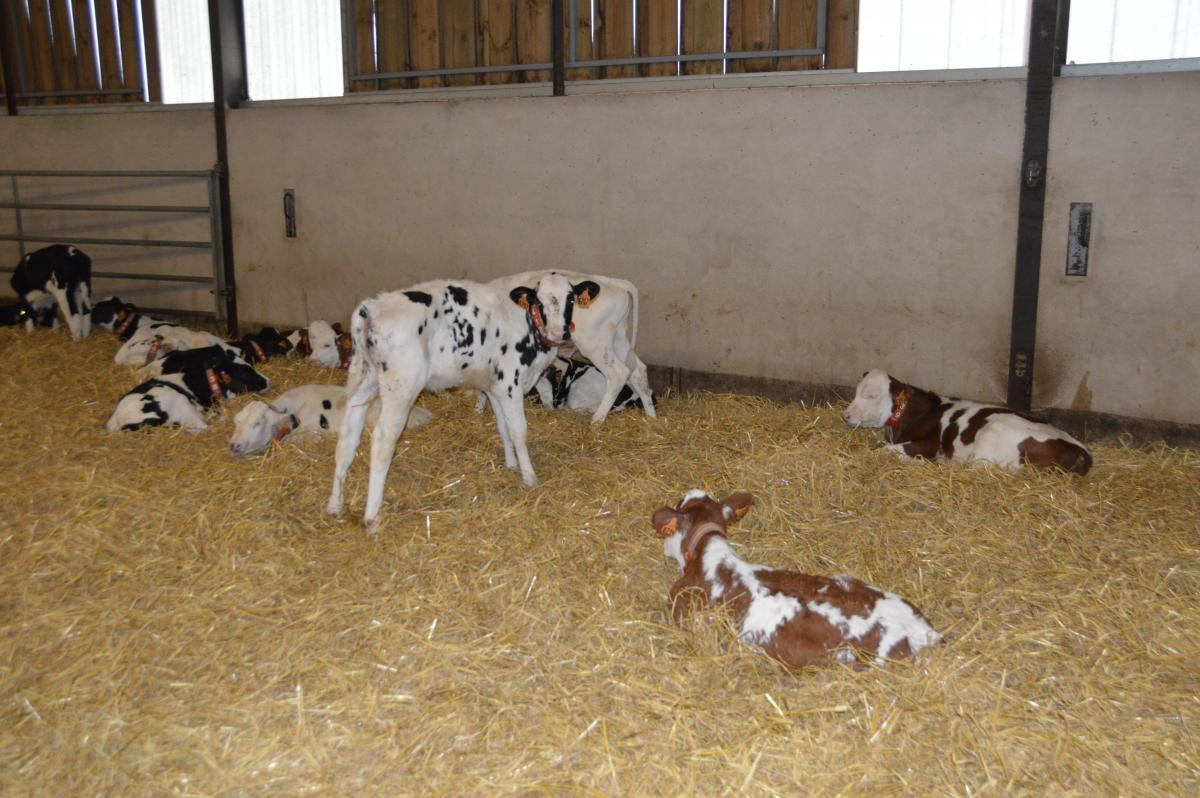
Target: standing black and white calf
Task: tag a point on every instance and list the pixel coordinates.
(601, 316)
(58, 274)
(434, 336)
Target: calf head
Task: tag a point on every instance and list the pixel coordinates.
(258, 424)
(23, 313)
(239, 378)
(113, 314)
(226, 378)
(263, 345)
(695, 517)
(323, 342)
(878, 400)
(551, 305)
(298, 341)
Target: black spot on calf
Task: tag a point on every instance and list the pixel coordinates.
(324, 422)
(419, 296)
(328, 405)
(458, 292)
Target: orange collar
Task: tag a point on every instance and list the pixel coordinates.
(214, 386)
(261, 355)
(901, 403)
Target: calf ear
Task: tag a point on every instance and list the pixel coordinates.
(337, 327)
(736, 505)
(585, 292)
(523, 296)
(666, 521)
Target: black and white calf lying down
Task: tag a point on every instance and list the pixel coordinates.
(438, 335)
(310, 408)
(59, 276)
(574, 385)
(205, 377)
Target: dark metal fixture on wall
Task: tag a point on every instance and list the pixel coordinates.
(1047, 44)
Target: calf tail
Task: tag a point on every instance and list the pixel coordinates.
(362, 366)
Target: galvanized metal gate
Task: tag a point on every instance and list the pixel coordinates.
(222, 291)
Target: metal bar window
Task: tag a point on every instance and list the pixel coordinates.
(110, 213)
(602, 39)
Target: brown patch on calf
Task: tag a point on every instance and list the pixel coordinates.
(1055, 453)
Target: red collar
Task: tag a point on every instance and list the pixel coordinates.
(120, 329)
(214, 386)
(539, 326)
(901, 403)
(261, 355)
(697, 536)
(345, 347)
(154, 347)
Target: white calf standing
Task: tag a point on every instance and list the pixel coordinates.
(434, 336)
(309, 408)
(601, 316)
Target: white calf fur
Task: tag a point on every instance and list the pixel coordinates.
(313, 409)
(433, 336)
(157, 339)
(605, 328)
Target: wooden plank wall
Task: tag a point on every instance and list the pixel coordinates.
(50, 60)
(445, 34)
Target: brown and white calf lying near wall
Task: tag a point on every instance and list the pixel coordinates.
(796, 618)
(923, 424)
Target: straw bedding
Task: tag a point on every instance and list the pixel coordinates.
(176, 622)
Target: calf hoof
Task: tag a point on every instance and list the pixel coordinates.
(334, 509)
(529, 479)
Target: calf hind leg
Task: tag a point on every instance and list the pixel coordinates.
(360, 390)
(395, 404)
(638, 379)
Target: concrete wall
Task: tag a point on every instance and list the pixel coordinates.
(793, 233)
(1126, 338)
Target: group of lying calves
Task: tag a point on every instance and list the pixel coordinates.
(436, 335)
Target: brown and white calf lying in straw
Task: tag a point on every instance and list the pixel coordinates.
(922, 424)
(796, 618)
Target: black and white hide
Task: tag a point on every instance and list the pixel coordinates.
(157, 339)
(58, 275)
(263, 345)
(182, 398)
(574, 385)
(122, 319)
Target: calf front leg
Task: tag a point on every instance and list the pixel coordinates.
(60, 297)
(510, 455)
(514, 417)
